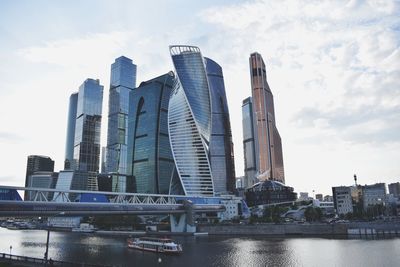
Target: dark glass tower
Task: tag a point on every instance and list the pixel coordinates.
(268, 142)
(250, 163)
(36, 163)
(123, 81)
(69, 144)
(87, 131)
(221, 145)
(150, 160)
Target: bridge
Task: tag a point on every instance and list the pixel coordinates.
(53, 202)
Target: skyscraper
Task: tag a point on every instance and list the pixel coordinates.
(87, 131)
(123, 81)
(69, 144)
(189, 121)
(221, 145)
(150, 158)
(268, 142)
(37, 163)
(249, 149)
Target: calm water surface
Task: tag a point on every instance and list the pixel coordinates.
(206, 250)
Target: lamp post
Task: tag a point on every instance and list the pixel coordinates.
(46, 254)
(10, 251)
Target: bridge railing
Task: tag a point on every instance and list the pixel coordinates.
(37, 261)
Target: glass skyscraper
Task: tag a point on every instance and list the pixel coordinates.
(250, 162)
(87, 131)
(221, 145)
(268, 141)
(189, 121)
(150, 159)
(123, 81)
(37, 163)
(69, 144)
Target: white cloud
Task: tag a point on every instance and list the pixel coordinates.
(333, 67)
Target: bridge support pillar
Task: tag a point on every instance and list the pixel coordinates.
(179, 224)
(184, 222)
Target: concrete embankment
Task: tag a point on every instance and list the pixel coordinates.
(295, 229)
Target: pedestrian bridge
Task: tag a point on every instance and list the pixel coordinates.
(56, 202)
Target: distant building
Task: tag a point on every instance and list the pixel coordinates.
(235, 207)
(249, 149)
(150, 159)
(104, 181)
(373, 195)
(304, 196)
(394, 188)
(37, 163)
(328, 198)
(41, 180)
(123, 81)
(103, 160)
(319, 197)
(70, 180)
(342, 199)
(268, 192)
(239, 182)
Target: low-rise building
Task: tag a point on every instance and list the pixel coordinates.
(319, 197)
(373, 195)
(269, 192)
(342, 199)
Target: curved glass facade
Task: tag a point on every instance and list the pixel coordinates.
(189, 121)
(221, 145)
(150, 158)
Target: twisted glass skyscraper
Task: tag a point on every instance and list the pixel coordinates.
(189, 121)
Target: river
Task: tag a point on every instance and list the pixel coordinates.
(206, 250)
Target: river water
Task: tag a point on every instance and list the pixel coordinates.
(206, 250)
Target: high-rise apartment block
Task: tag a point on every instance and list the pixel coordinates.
(123, 81)
(150, 159)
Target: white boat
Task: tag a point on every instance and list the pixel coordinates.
(161, 245)
(84, 228)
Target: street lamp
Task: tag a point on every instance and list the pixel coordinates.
(46, 254)
(10, 251)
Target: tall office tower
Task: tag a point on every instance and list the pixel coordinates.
(69, 144)
(189, 122)
(150, 158)
(87, 131)
(123, 81)
(221, 145)
(249, 149)
(36, 163)
(268, 141)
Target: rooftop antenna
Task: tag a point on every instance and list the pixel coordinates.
(355, 179)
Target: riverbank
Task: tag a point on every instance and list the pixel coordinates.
(314, 229)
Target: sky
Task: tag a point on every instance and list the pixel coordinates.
(333, 67)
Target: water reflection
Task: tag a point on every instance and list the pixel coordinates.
(206, 250)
